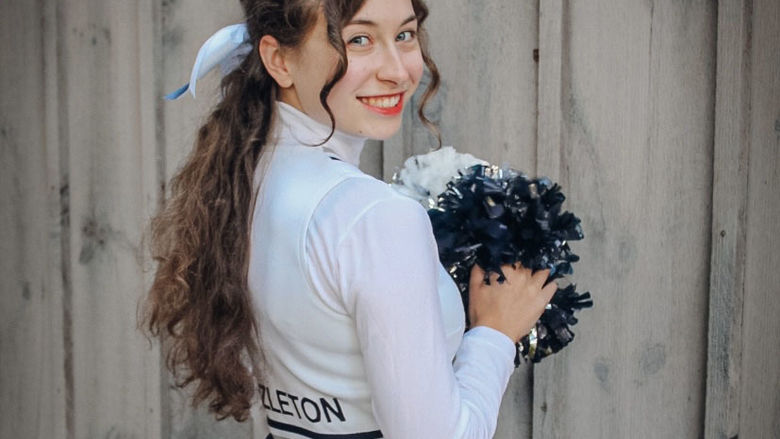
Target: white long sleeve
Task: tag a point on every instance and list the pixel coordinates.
(373, 257)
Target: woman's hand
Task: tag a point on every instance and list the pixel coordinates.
(512, 307)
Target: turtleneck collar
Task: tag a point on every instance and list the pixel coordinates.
(297, 128)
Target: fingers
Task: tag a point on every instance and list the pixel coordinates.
(548, 291)
(514, 273)
(540, 277)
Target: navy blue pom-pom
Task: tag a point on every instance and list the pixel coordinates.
(492, 217)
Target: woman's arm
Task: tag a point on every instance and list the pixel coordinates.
(387, 269)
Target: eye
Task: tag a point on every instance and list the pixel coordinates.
(407, 35)
(360, 41)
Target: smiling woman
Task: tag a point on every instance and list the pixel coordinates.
(289, 279)
(385, 67)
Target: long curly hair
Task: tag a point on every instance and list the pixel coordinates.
(199, 302)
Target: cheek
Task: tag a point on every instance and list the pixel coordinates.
(351, 83)
(414, 65)
(358, 72)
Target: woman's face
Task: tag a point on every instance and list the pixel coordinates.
(385, 66)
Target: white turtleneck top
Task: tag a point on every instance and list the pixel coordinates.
(371, 264)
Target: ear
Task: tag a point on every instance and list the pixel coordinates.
(274, 61)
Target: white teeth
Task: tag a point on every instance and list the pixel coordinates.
(383, 102)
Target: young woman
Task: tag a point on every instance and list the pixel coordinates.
(289, 279)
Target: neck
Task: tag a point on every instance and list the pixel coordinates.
(297, 128)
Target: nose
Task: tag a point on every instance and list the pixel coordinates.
(392, 67)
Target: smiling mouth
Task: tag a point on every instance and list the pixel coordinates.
(382, 101)
(388, 104)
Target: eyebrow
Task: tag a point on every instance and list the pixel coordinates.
(371, 23)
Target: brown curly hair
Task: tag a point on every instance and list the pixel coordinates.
(199, 302)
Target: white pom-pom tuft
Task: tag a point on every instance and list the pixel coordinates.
(423, 177)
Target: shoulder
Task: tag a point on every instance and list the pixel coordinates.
(371, 202)
(363, 222)
(367, 212)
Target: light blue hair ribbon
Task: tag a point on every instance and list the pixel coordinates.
(226, 48)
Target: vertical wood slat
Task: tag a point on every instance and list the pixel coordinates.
(550, 136)
(57, 214)
(32, 388)
(114, 374)
(744, 361)
(634, 162)
(760, 369)
(729, 209)
(63, 154)
(550, 84)
(151, 173)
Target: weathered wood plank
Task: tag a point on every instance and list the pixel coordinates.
(151, 176)
(729, 209)
(635, 160)
(113, 372)
(371, 158)
(514, 417)
(32, 388)
(550, 128)
(759, 412)
(550, 84)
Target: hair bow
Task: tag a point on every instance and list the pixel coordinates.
(226, 48)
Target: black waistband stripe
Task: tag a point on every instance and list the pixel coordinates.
(314, 435)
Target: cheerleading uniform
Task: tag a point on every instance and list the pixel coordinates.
(360, 325)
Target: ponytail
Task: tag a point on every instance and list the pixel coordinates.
(200, 239)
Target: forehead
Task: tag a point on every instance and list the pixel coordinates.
(391, 12)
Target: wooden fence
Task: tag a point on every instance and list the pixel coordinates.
(661, 120)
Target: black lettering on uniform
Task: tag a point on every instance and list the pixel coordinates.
(265, 397)
(306, 412)
(325, 407)
(295, 404)
(282, 402)
(270, 400)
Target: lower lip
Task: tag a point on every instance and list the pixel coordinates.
(387, 111)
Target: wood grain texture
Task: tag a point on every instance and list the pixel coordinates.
(32, 384)
(759, 412)
(637, 89)
(550, 84)
(550, 127)
(114, 374)
(151, 173)
(743, 376)
(729, 214)
(371, 161)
